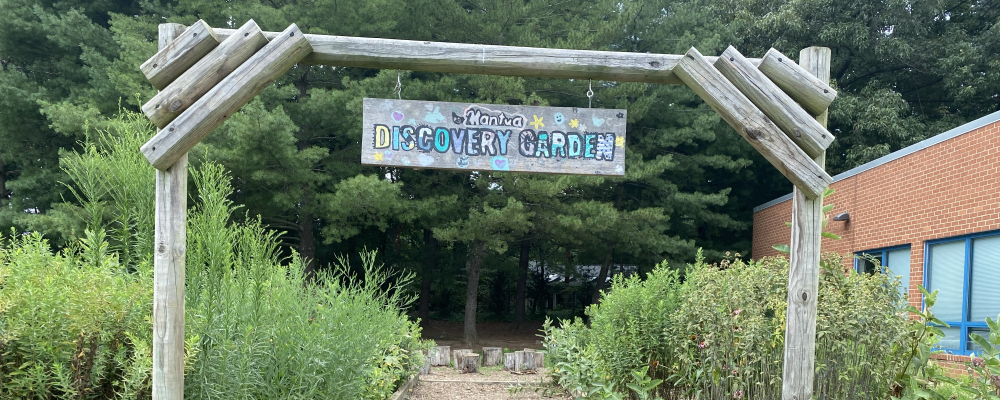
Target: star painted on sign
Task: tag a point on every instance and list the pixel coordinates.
(620, 141)
(379, 157)
(537, 122)
(573, 123)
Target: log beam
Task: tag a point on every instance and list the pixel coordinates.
(204, 75)
(172, 60)
(801, 127)
(227, 97)
(814, 94)
(803, 270)
(697, 72)
(463, 58)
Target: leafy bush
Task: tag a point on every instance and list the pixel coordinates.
(720, 334)
(77, 323)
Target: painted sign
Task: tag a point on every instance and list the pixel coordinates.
(431, 134)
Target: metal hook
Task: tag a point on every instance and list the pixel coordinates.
(399, 86)
(590, 94)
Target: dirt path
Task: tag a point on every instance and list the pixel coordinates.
(446, 383)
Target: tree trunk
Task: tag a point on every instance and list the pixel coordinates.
(307, 238)
(602, 276)
(469, 363)
(430, 264)
(492, 356)
(541, 289)
(522, 281)
(472, 291)
(3, 181)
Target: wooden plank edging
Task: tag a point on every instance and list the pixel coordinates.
(172, 60)
(225, 98)
(404, 391)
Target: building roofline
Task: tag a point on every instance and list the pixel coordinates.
(923, 144)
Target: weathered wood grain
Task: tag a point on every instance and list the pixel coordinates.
(803, 271)
(170, 241)
(463, 58)
(752, 124)
(444, 135)
(171, 61)
(226, 97)
(814, 94)
(204, 75)
(801, 127)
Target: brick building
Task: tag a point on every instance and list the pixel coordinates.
(931, 213)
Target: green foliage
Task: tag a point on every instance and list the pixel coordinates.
(720, 334)
(76, 324)
(73, 324)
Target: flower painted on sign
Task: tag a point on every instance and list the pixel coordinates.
(378, 156)
(537, 123)
(573, 123)
(620, 141)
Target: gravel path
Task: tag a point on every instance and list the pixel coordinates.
(445, 383)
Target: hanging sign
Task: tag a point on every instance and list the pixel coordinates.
(431, 134)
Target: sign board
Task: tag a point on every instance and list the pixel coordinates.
(431, 134)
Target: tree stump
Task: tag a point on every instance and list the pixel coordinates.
(508, 361)
(440, 355)
(469, 363)
(524, 361)
(539, 359)
(492, 356)
(456, 357)
(426, 368)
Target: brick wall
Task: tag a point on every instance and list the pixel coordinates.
(948, 189)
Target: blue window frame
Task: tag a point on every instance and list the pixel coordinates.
(895, 259)
(966, 272)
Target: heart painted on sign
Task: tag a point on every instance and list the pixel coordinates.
(597, 121)
(388, 155)
(425, 160)
(500, 163)
(462, 162)
(397, 116)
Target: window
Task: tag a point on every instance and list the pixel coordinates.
(966, 273)
(895, 260)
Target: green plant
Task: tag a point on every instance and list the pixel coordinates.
(984, 368)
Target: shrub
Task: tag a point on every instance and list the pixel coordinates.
(721, 333)
(76, 323)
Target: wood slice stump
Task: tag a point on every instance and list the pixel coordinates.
(426, 368)
(456, 356)
(508, 361)
(492, 356)
(468, 363)
(539, 359)
(440, 355)
(524, 361)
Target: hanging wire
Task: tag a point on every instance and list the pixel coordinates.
(590, 94)
(399, 86)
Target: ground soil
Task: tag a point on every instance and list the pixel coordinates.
(491, 334)
(446, 383)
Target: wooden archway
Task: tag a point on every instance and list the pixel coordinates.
(205, 75)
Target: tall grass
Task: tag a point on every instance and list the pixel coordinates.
(76, 324)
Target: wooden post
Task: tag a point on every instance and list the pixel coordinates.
(803, 272)
(168, 269)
